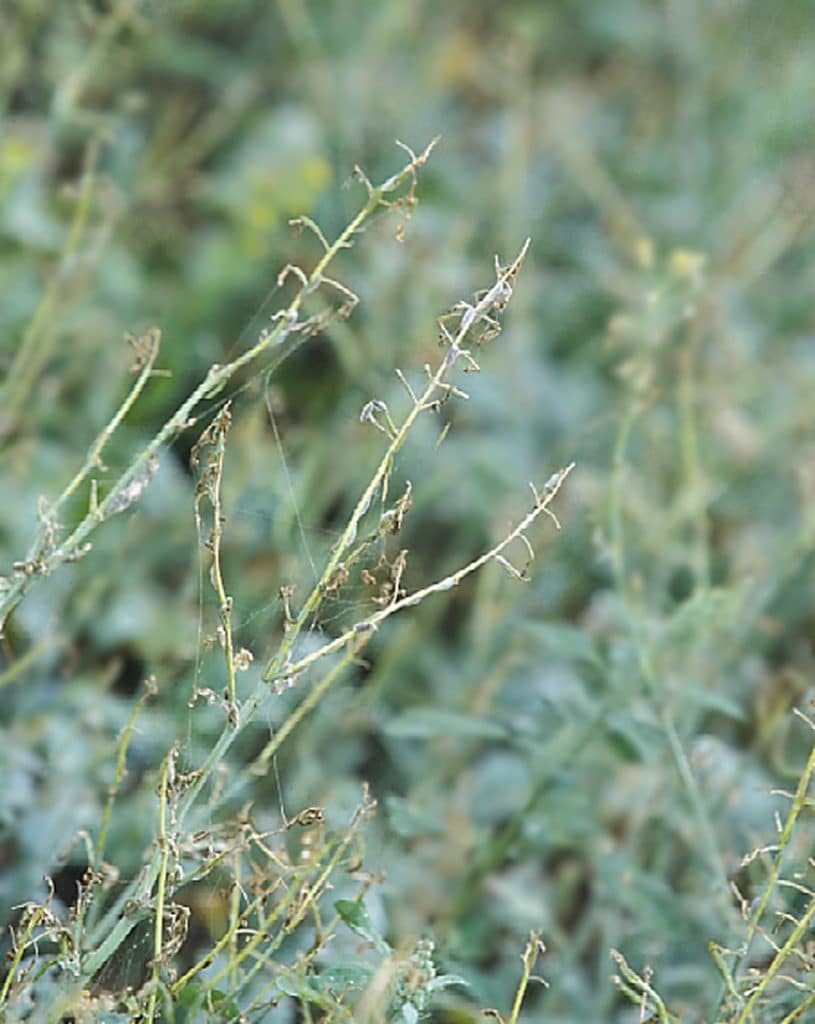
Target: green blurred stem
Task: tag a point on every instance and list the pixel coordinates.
(685, 772)
(690, 456)
(635, 621)
(616, 514)
(19, 666)
(683, 766)
(38, 339)
(234, 920)
(98, 862)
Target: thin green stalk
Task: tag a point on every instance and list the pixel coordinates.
(225, 940)
(305, 707)
(798, 1012)
(38, 338)
(97, 861)
(618, 558)
(639, 990)
(234, 920)
(209, 485)
(18, 949)
(147, 349)
(685, 772)
(18, 667)
(119, 772)
(161, 888)
(683, 768)
(616, 515)
(534, 949)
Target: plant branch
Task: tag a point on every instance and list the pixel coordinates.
(285, 323)
(447, 583)
(494, 298)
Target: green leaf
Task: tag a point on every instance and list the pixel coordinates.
(563, 642)
(225, 1004)
(191, 996)
(300, 985)
(344, 977)
(431, 723)
(712, 701)
(408, 823)
(290, 985)
(445, 981)
(634, 740)
(354, 914)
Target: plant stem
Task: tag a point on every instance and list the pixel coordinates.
(371, 623)
(164, 855)
(38, 338)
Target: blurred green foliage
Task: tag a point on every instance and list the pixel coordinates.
(591, 754)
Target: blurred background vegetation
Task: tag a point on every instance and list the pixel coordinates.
(591, 754)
